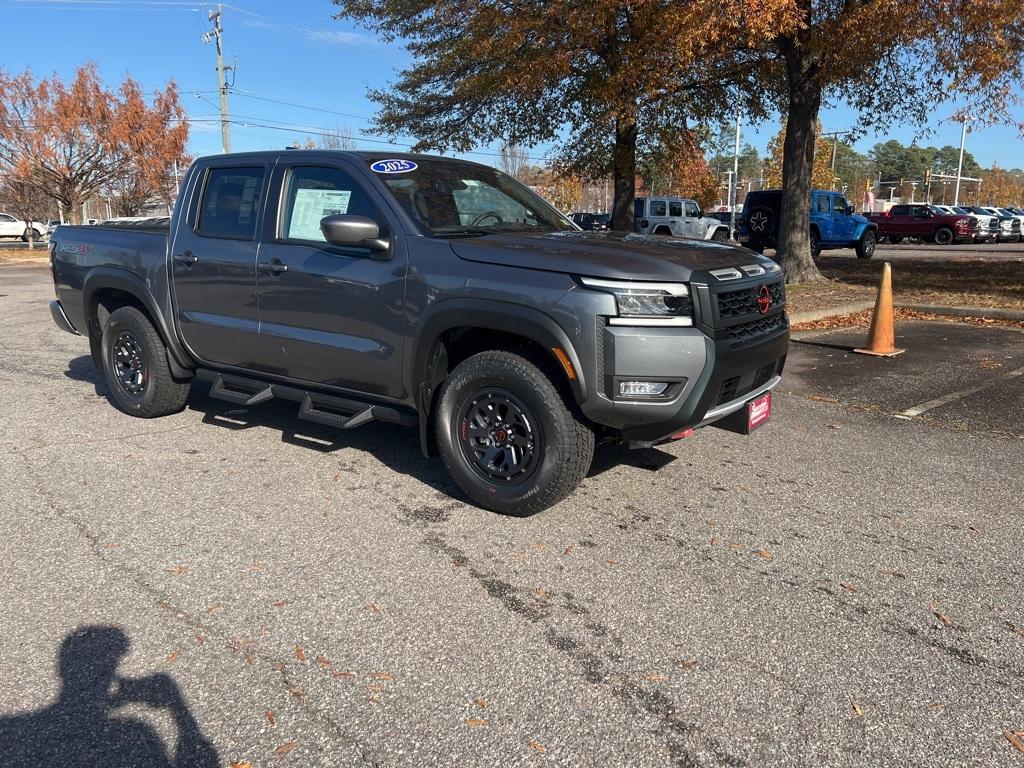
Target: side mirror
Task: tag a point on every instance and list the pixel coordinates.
(849, 209)
(353, 231)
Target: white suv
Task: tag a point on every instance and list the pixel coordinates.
(676, 216)
(11, 226)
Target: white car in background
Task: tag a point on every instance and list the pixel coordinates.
(11, 226)
(676, 216)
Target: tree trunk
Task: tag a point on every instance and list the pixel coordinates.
(624, 172)
(794, 249)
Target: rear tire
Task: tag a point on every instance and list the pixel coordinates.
(865, 247)
(815, 244)
(30, 234)
(663, 231)
(720, 236)
(508, 437)
(135, 367)
(943, 236)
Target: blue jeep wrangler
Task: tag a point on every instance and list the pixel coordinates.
(833, 223)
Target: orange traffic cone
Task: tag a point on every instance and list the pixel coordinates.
(882, 336)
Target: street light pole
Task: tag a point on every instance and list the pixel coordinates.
(960, 165)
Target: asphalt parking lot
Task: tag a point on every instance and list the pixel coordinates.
(842, 588)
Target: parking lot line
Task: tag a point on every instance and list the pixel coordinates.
(938, 402)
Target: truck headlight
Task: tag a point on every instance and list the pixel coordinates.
(650, 304)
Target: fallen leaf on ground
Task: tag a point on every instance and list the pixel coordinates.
(1016, 738)
(518, 555)
(200, 639)
(339, 674)
(568, 550)
(713, 541)
(384, 676)
(459, 563)
(482, 703)
(323, 661)
(270, 718)
(299, 653)
(538, 547)
(613, 562)
(178, 570)
(689, 664)
(857, 710)
(173, 656)
(542, 594)
(847, 586)
(537, 746)
(655, 678)
(285, 748)
(297, 693)
(257, 566)
(765, 554)
(475, 722)
(834, 426)
(711, 523)
(943, 618)
(215, 608)
(373, 607)
(241, 765)
(279, 666)
(281, 603)
(737, 546)
(375, 688)
(1019, 631)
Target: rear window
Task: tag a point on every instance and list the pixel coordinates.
(230, 203)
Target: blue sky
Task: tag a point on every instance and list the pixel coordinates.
(294, 51)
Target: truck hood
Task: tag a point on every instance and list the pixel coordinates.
(613, 255)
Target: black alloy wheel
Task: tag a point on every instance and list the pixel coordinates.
(127, 359)
(499, 436)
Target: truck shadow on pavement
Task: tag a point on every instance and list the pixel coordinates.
(81, 369)
(87, 726)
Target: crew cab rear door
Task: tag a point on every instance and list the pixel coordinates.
(213, 264)
(329, 314)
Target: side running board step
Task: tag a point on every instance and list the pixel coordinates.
(335, 412)
(240, 391)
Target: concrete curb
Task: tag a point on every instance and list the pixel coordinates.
(820, 314)
(988, 313)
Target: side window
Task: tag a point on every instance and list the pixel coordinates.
(5, 217)
(899, 210)
(311, 193)
(638, 209)
(821, 203)
(839, 204)
(920, 211)
(231, 203)
(675, 208)
(692, 211)
(659, 208)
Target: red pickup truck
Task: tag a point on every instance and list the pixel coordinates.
(924, 222)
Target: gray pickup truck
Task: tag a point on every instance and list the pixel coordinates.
(430, 292)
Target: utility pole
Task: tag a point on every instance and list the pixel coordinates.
(835, 148)
(217, 36)
(960, 165)
(734, 180)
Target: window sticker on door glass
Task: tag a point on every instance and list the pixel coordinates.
(310, 206)
(249, 193)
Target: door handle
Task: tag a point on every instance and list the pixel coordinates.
(272, 267)
(186, 258)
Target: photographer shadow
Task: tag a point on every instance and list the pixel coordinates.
(83, 727)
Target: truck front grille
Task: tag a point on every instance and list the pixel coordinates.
(744, 301)
(753, 329)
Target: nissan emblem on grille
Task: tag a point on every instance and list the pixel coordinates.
(764, 299)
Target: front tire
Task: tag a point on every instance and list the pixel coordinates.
(508, 437)
(815, 244)
(943, 236)
(865, 247)
(30, 234)
(135, 367)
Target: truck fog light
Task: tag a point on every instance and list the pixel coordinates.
(642, 388)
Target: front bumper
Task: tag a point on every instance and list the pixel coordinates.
(60, 319)
(727, 358)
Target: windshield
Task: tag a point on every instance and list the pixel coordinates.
(453, 199)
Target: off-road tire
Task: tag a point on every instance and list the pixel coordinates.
(159, 394)
(720, 236)
(815, 244)
(865, 247)
(943, 236)
(564, 443)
